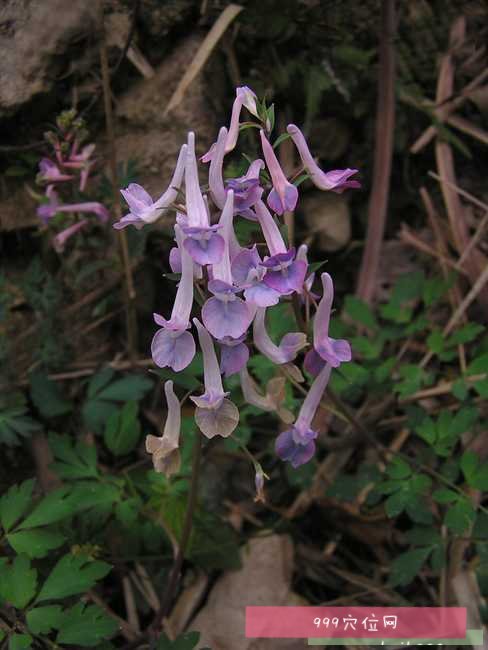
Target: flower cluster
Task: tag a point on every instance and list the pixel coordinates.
(70, 167)
(237, 285)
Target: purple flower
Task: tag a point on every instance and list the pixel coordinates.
(81, 161)
(271, 232)
(225, 314)
(335, 180)
(302, 255)
(247, 191)
(173, 349)
(214, 413)
(297, 445)
(175, 263)
(248, 97)
(284, 195)
(288, 348)
(165, 449)
(180, 315)
(253, 396)
(234, 355)
(172, 345)
(248, 273)
(259, 483)
(49, 172)
(244, 97)
(326, 349)
(215, 178)
(246, 188)
(59, 242)
(142, 208)
(203, 243)
(47, 210)
(284, 274)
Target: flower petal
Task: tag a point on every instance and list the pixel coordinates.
(233, 358)
(176, 352)
(217, 422)
(226, 318)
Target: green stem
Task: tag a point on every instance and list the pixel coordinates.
(185, 538)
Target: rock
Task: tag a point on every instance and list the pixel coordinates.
(34, 36)
(264, 579)
(17, 210)
(328, 218)
(152, 140)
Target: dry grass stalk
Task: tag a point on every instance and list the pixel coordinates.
(204, 52)
(384, 130)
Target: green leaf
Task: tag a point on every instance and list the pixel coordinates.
(460, 516)
(409, 286)
(123, 430)
(414, 377)
(443, 495)
(397, 502)
(36, 542)
(127, 511)
(73, 574)
(14, 422)
(132, 387)
(398, 469)
(14, 503)
(464, 420)
(281, 138)
(96, 413)
(478, 365)
(53, 507)
(475, 472)
(90, 494)
(423, 536)
(85, 625)
(213, 543)
(406, 566)
(20, 642)
(360, 312)
(469, 465)
(75, 460)
(18, 582)
(41, 620)
(480, 479)
(435, 288)
(382, 372)
(417, 510)
(466, 334)
(420, 483)
(366, 348)
(47, 397)
(481, 387)
(460, 389)
(99, 380)
(427, 430)
(435, 341)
